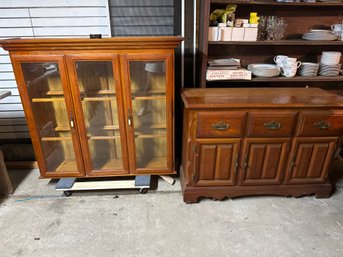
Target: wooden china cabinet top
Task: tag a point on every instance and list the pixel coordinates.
(115, 43)
(260, 97)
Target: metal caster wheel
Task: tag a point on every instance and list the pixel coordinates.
(143, 190)
(67, 193)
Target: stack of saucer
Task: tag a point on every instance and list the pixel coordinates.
(329, 70)
(319, 34)
(308, 69)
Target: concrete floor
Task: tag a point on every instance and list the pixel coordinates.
(38, 221)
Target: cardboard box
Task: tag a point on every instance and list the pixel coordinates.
(213, 33)
(238, 74)
(250, 34)
(225, 34)
(237, 34)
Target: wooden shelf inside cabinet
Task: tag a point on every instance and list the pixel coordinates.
(150, 136)
(47, 139)
(147, 98)
(102, 137)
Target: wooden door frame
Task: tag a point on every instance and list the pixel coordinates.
(98, 57)
(168, 57)
(16, 60)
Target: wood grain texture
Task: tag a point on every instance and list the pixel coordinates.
(280, 162)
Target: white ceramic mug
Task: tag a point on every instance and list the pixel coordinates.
(279, 59)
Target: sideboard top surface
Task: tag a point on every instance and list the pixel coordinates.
(260, 97)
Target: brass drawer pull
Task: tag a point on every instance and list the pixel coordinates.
(322, 124)
(272, 125)
(221, 125)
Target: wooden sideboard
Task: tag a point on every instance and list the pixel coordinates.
(263, 141)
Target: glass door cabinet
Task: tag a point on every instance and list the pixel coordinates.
(99, 107)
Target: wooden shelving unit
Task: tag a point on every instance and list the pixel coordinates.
(300, 17)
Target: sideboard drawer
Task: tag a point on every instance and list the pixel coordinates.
(321, 123)
(271, 124)
(220, 124)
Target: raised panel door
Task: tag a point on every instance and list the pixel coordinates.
(45, 94)
(216, 162)
(263, 161)
(310, 160)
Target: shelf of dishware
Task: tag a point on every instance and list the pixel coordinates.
(285, 79)
(288, 42)
(143, 136)
(272, 2)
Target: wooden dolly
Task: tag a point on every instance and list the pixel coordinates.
(68, 185)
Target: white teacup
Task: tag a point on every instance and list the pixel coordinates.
(289, 71)
(279, 59)
(337, 27)
(291, 62)
(330, 57)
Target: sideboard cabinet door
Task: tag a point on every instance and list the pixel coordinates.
(263, 161)
(148, 103)
(216, 162)
(310, 160)
(45, 94)
(96, 89)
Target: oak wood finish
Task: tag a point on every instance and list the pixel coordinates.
(292, 159)
(109, 123)
(300, 18)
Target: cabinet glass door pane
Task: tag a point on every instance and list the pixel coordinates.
(98, 96)
(44, 87)
(148, 95)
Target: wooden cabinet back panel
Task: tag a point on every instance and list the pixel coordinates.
(220, 124)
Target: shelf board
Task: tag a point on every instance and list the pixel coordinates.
(47, 139)
(102, 137)
(144, 136)
(284, 79)
(54, 92)
(98, 99)
(47, 100)
(271, 2)
(145, 98)
(290, 42)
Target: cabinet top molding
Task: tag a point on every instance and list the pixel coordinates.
(260, 97)
(115, 43)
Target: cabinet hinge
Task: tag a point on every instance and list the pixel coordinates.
(194, 148)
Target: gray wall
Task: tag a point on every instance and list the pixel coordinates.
(142, 17)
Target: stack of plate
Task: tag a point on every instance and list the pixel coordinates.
(264, 70)
(329, 70)
(308, 69)
(320, 34)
